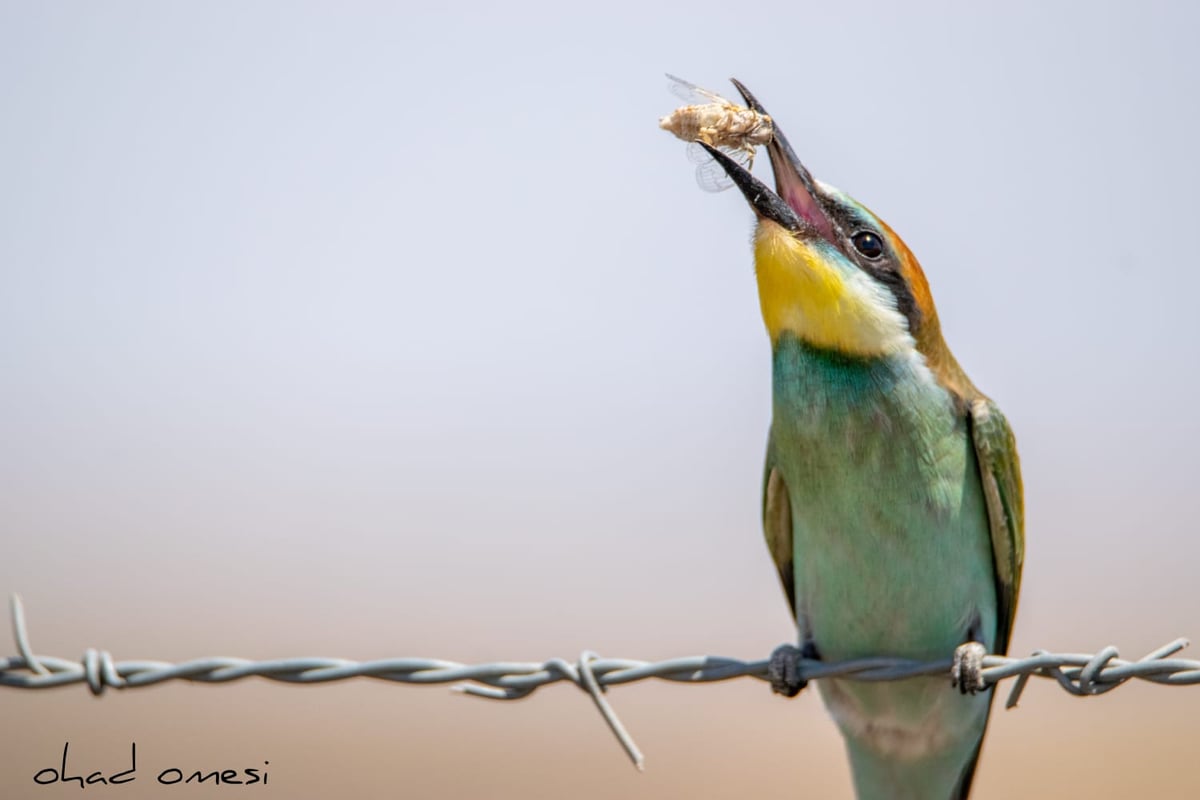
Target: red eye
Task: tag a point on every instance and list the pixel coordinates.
(867, 243)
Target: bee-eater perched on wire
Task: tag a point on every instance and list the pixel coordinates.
(892, 496)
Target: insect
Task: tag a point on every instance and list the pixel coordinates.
(710, 118)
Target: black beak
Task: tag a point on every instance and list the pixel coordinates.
(765, 203)
(795, 189)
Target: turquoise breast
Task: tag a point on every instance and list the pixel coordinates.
(890, 532)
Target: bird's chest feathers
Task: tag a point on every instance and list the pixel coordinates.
(854, 429)
(885, 502)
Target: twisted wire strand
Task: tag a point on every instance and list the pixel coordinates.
(1080, 674)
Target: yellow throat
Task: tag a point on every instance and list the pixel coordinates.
(834, 306)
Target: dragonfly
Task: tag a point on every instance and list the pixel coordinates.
(709, 118)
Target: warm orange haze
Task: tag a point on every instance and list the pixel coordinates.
(395, 332)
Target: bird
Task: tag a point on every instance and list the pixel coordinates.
(892, 501)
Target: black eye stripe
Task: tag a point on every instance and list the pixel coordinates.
(871, 247)
(879, 266)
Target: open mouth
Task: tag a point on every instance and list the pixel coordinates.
(793, 204)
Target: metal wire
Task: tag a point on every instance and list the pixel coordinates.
(1080, 674)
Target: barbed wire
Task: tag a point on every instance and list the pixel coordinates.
(1080, 674)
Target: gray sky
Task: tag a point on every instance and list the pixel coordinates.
(405, 332)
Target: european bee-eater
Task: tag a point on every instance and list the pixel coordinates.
(892, 496)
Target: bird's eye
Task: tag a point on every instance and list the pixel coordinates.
(867, 243)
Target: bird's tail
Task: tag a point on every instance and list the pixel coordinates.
(942, 775)
(963, 787)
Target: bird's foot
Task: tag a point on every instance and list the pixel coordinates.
(967, 670)
(784, 668)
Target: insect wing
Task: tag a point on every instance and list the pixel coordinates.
(690, 93)
(698, 155)
(711, 176)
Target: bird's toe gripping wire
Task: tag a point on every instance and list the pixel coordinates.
(785, 670)
(966, 672)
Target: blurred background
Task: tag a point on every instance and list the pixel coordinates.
(389, 331)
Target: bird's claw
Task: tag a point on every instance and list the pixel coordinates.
(784, 670)
(967, 671)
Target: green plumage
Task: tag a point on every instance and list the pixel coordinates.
(892, 497)
(880, 508)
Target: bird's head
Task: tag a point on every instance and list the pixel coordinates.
(829, 271)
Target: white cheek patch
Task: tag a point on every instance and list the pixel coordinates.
(874, 315)
(835, 305)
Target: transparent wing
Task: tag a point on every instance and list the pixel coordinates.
(711, 176)
(690, 93)
(698, 155)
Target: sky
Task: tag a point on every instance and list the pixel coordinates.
(373, 330)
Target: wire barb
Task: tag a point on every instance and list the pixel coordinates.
(1078, 674)
(22, 635)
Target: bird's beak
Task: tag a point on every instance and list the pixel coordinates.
(765, 203)
(794, 203)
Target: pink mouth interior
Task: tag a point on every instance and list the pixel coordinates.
(795, 195)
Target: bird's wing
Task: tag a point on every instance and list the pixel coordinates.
(777, 524)
(1000, 471)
